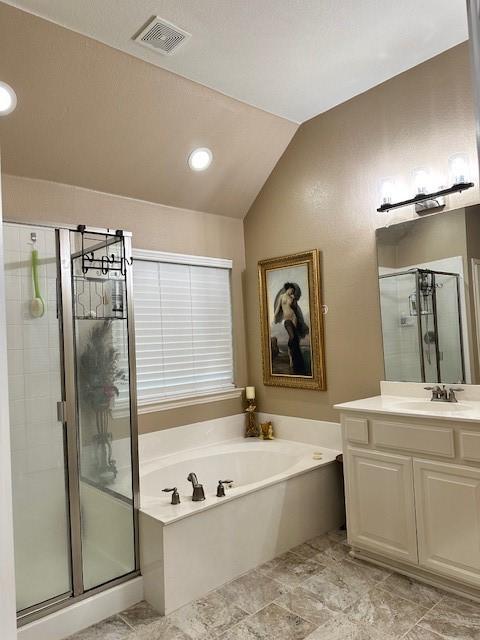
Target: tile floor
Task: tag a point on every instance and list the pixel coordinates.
(313, 592)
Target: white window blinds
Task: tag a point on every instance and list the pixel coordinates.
(183, 328)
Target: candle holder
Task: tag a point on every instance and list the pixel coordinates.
(251, 426)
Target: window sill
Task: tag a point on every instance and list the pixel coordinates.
(177, 402)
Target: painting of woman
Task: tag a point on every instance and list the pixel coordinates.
(292, 328)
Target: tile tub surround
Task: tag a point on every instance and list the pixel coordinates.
(160, 443)
(257, 520)
(264, 605)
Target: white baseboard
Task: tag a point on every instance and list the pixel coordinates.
(78, 616)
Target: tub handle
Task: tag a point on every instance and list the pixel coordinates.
(175, 496)
(221, 488)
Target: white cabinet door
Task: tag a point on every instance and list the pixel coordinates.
(380, 503)
(448, 519)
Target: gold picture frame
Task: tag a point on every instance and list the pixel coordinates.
(291, 321)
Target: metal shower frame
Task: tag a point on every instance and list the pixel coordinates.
(68, 413)
(417, 272)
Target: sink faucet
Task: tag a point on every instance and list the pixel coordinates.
(451, 394)
(442, 394)
(198, 492)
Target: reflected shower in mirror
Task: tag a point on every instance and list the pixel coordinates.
(429, 275)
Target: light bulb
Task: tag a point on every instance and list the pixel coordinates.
(459, 169)
(200, 159)
(8, 99)
(387, 188)
(422, 180)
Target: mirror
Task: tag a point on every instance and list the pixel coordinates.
(429, 279)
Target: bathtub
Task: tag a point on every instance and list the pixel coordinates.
(282, 495)
(252, 465)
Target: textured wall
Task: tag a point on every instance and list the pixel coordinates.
(154, 227)
(324, 193)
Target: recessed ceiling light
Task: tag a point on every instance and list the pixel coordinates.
(200, 159)
(8, 99)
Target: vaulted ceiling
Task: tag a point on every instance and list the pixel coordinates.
(294, 58)
(96, 117)
(98, 110)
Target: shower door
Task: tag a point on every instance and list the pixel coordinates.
(72, 419)
(106, 446)
(39, 479)
(422, 326)
(449, 327)
(400, 327)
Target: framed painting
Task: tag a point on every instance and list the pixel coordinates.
(292, 321)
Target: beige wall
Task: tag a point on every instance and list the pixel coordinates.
(154, 227)
(324, 193)
(423, 240)
(99, 118)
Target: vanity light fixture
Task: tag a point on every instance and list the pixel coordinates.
(8, 99)
(427, 198)
(423, 197)
(200, 159)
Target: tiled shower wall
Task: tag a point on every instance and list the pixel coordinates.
(38, 475)
(400, 341)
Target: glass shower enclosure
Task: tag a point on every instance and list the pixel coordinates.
(422, 326)
(72, 412)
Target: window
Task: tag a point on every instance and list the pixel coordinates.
(183, 326)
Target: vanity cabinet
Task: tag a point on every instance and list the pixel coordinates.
(413, 496)
(448, 519)
(382, 504)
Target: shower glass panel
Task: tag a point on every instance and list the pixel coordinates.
(103, 405)
(71, 367)
(40, 507)
(449, 327)
(422, 326)
(400, 327)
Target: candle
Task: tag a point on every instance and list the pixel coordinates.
(250, 393)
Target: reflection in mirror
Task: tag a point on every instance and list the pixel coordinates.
(428, 275)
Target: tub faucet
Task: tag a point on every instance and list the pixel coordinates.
(198, 492)
(175, 495)
(221, 488)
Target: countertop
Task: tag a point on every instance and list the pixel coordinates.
(463, 411)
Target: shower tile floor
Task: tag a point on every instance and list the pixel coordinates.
(314, 592)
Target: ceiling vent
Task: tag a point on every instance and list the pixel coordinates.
(162, 36)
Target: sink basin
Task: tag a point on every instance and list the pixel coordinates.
(437, 407)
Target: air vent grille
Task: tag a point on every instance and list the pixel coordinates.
(162, 36)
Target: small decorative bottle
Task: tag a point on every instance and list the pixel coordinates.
(251, 427)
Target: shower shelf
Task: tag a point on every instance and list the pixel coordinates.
(99, 298)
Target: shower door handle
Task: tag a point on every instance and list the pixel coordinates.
(61, 411)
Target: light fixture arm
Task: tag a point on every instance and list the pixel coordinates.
(421, 197)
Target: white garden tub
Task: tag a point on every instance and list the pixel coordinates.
(281, 497)
(252, 465)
